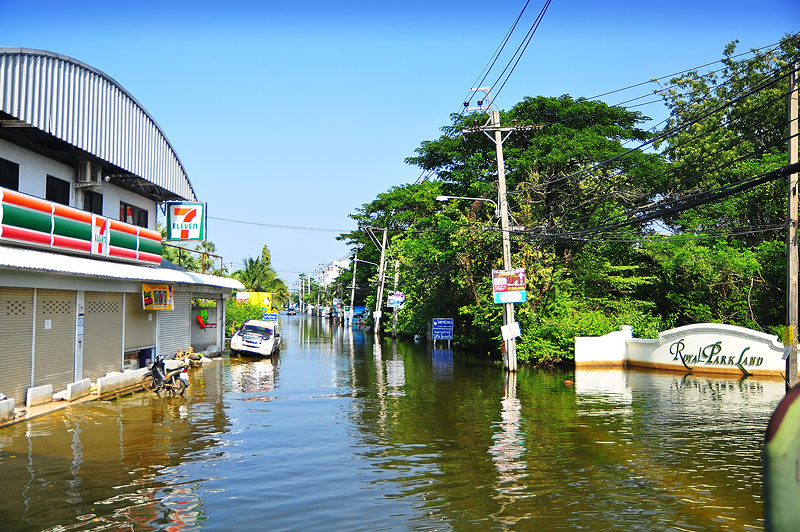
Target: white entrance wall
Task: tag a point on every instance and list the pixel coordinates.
(700, 348)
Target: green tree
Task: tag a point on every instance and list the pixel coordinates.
(726, 126)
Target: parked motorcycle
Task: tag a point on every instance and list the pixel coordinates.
(158, 378)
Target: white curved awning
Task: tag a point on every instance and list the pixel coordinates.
(86, 108)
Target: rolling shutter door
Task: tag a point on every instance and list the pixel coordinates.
(55, 338)
(102, 334)
(174, 326)
(16, 331)
(140, 324)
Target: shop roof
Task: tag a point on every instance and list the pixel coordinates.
(45, 262)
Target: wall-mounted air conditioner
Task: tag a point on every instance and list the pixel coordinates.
(89, 174)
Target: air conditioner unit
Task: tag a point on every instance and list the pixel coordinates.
(89, 175)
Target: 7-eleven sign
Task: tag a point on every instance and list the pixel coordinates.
(100, 231)
(186, 221)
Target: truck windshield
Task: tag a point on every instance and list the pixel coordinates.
(266, 332)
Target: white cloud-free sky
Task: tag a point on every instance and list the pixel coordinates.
(297, 113)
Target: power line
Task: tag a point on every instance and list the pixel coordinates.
(277, 226)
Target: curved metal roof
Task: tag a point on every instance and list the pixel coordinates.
(88, 109)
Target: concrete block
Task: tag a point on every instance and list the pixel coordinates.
(78, 389)
(39, 395)
(109, 383)
(131, 377)
(6, 410)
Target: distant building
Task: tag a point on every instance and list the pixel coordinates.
(333, 270)
(83, 170)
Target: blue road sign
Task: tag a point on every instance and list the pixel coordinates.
(442, 329)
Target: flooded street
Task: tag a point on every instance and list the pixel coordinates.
(342, 434)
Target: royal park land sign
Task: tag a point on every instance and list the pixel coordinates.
(186, 221)
(698, 348)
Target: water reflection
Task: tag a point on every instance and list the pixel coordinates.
(509, 441)
(112, 465)
(442, 360)
(364, 435)
(395, 373)
(256, 376)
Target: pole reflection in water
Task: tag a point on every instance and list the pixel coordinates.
(395, 373)
(509, 442)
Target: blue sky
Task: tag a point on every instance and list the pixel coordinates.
(297, 113)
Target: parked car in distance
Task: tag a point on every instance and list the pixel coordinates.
(291, 311)
(257, 337)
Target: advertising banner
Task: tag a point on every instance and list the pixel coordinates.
(396, 300)
(186, 221)
(508, 286)
(156, 296)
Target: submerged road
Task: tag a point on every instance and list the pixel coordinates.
(340, 433)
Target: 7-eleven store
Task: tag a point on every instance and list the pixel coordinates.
(84, 170)
(68, 312)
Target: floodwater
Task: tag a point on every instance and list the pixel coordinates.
(342, 434)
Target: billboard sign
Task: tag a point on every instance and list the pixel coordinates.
(157, 296)
(442, 329)
(508, 286)
(186, 221)
(396, 300)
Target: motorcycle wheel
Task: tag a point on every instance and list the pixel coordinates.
(181, 386)
(149, 383)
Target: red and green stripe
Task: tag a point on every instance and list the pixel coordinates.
(36, 221)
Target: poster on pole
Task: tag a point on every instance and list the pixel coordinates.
(510, 331)
(508, 286)
(396, 300)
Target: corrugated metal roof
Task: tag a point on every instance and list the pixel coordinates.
(90, 110)
(42, 261)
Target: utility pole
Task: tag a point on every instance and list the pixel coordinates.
(510, 358)
(493, 125)
(353, 288)
(792, 244)
(394, 310)
(381, 278)
(319, 285)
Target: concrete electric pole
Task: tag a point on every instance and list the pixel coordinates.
(493, 126)
(353, 288)
(381, 276)
(792, 244)
(394, 310)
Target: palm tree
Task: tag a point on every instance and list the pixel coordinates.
(258, 276)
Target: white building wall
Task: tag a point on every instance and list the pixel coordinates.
(34, 169)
